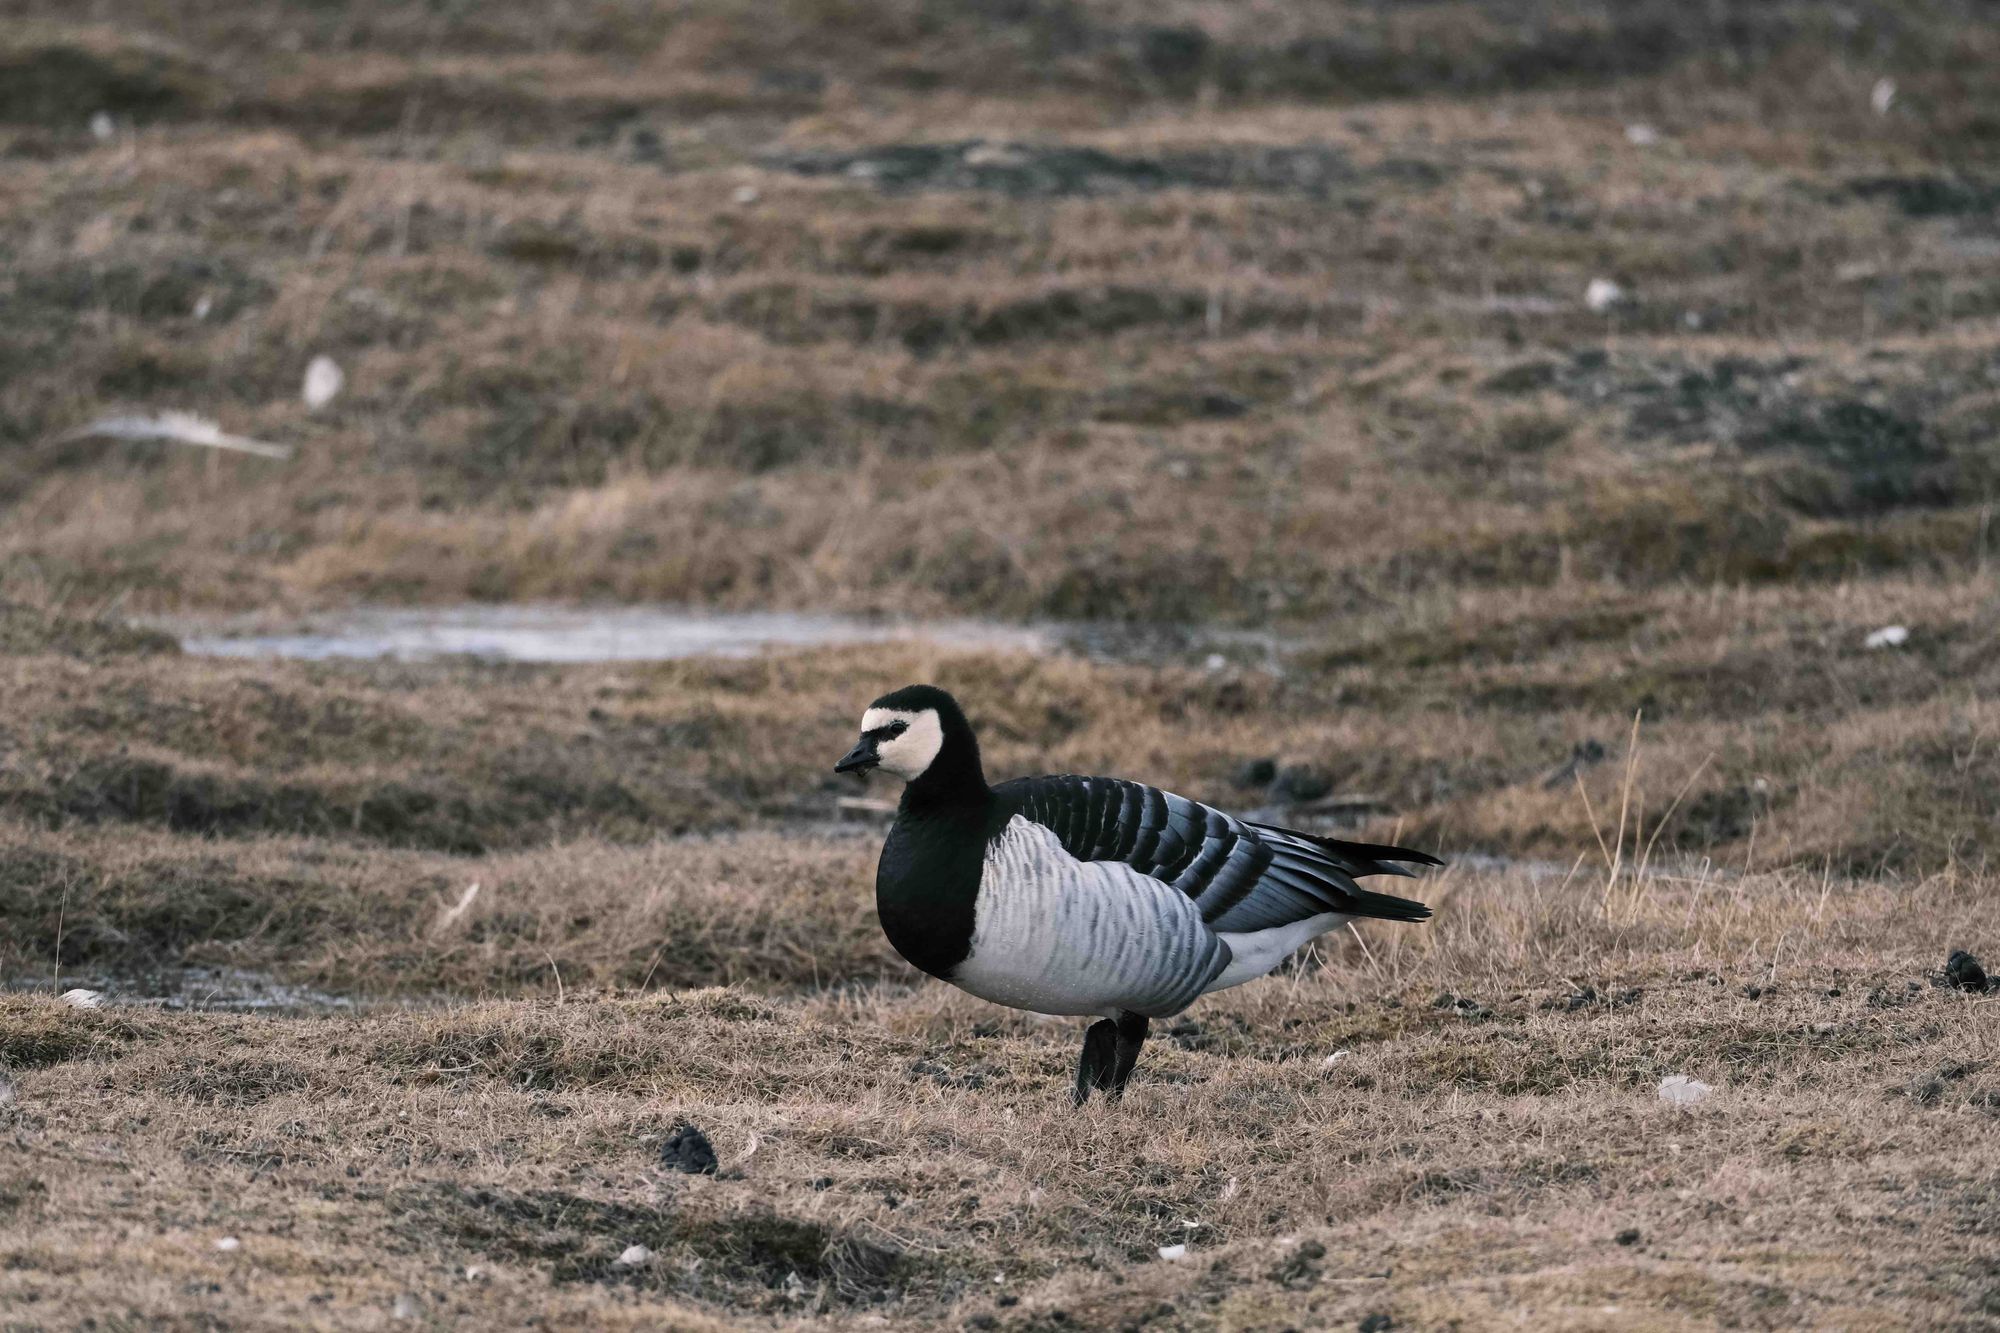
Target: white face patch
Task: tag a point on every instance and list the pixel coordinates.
(910, 752)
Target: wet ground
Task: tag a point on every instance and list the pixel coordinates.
(549, 633)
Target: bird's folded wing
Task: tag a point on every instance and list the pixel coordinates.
(1242, 876)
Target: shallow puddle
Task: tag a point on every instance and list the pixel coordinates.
(548, 633)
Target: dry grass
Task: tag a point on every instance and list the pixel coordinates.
(693, 307)
(898, 1152)
(1262, 315)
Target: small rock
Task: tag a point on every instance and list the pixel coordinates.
(635, 1256)
(83, 999)
(1629, 1236)
(474, 1273)
(1257, 773)
(1680, 1090)
(1963, 971)
(1375, 1323)
(1603, 295)
(406, 1307)
(102, 127)
(747, 195)
(1173, 1252)
(1882, 96)
(688, 1149)
(203, 304)
(1641, 135)
(228, 1244)
(1889, 636)
(323, 382)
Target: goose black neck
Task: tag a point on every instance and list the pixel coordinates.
(955, 781)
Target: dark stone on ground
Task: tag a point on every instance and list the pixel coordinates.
(1963, 971)
(1629, 1236)
(688, 1149)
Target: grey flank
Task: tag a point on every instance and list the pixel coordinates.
(1058, 935)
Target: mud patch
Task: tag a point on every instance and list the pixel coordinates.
(1031, 171)
(754, 1257)
(431, 812)
(64, 77)
(1931, 196)
(1865, 459)
(1834, 444)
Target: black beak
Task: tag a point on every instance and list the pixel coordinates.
(860, 759)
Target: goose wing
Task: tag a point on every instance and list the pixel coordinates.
(1241, 876)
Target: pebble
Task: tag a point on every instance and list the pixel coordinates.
(688, 1149)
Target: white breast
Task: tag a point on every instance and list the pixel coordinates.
(1055, 935)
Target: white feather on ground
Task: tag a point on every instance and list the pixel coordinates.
(1680, 1090)
(177, 427)
(460, 908)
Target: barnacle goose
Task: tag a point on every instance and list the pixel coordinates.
(1092, 896)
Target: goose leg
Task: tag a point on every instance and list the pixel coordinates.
(1131, 1036)
(1095, 1069)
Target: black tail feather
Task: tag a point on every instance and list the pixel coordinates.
(1384, 907)
(1366, 858)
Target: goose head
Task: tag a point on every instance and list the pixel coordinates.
(916, 733)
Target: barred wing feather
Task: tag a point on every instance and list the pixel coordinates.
(1242, 876)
